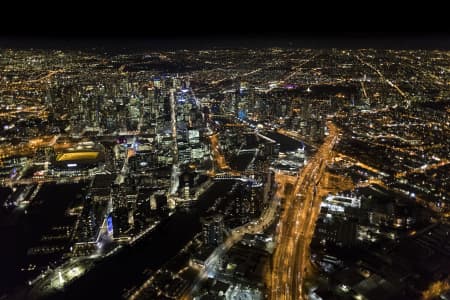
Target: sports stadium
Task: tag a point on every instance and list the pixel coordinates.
(83, 156)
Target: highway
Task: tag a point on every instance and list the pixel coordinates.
(296, 226)
(219, 159)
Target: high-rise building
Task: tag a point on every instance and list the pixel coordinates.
(334, 230)
(213, 230)
(158, 201)
(120, 214)
(249, 201)
(255, 199)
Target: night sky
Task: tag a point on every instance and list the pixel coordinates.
(170, 41)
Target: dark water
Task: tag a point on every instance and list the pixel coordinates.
(111, 276)
(286, 143)
(240, 162)
(20, 231)
(4, 193)
(12, 251)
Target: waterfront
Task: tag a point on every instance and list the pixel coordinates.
(149, 253)
(286, 143)
(22, 229)
(121, 271)
(106, 156)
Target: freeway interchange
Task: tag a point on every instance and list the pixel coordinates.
(296, 226)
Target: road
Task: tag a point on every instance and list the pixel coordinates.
(236, 235)
(389, 82)
(258, 226)
(219, 159)
(40, 79)
(58, 180)
(296, 226)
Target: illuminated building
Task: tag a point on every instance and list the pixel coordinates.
(249, 201)
(213, 230)
(75, 160)
(158, 201)
(122, 210)
(332, 230)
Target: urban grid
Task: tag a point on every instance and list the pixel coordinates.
(265, 173)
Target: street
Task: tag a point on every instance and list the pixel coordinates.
(296, 226)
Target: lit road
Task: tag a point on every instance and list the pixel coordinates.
(50, 179)
(211, 263)
(41, 79)
(379, 181)
(390, 83)
(216, 82)
(296, 226)
(297, 69)
(236, 235)
(58, 278)
(424, 168)
(173, 122)
(27, 148)
(258, 226)
(218, 157)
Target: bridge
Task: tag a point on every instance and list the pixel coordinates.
(265, 138)
(228, 176)
(251, 150)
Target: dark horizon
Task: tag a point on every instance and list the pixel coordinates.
(131, 168)
(137, 42)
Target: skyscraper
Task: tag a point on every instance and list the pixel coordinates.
(213, 229)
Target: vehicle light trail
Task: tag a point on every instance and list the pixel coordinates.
(296, 227)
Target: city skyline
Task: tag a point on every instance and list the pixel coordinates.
(193, 169)
(112, 41)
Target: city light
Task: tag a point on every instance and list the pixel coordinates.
(237, 173)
